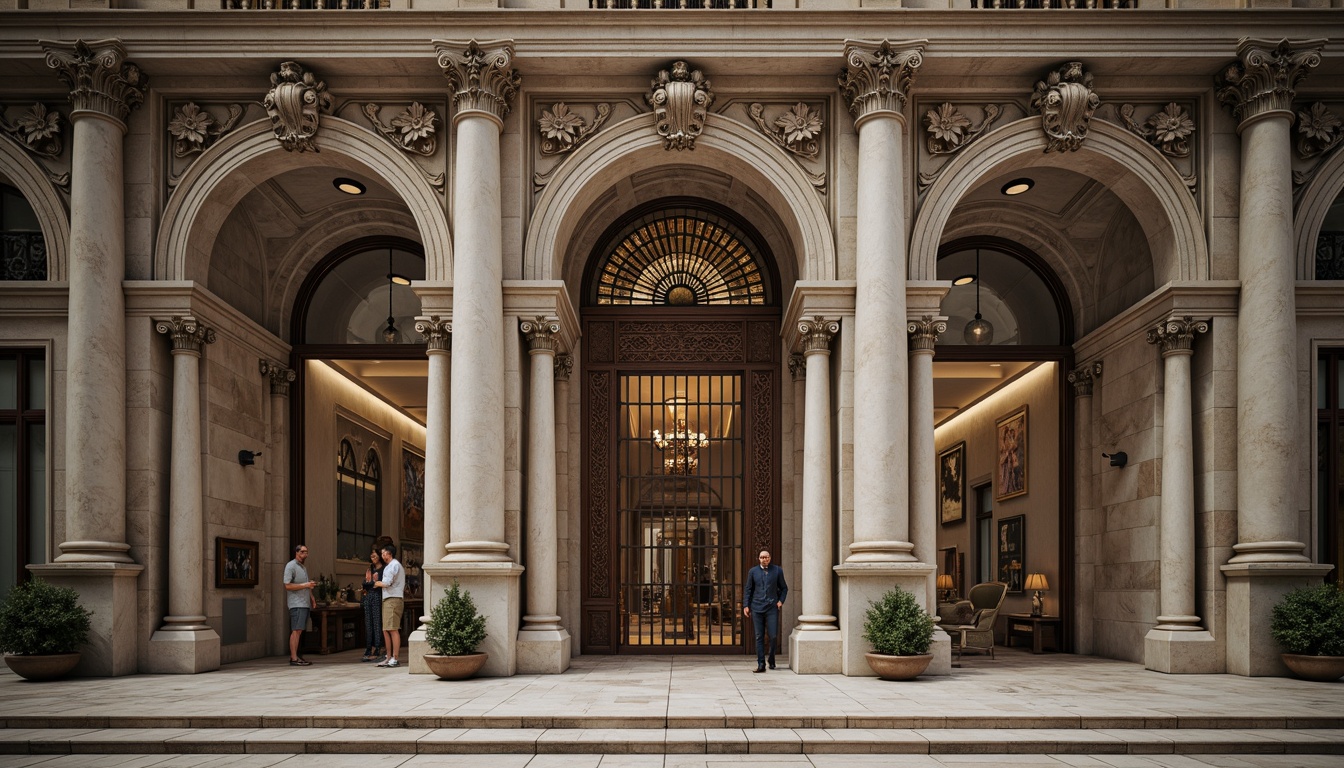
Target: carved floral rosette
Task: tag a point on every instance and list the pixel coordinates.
(1065, 101)
(680, 98)
(295, 102)
(194, 129)
(1170, 127)
(949, 127)
(38, 130)
(563, 130)
(413, 130)
(1318, 132)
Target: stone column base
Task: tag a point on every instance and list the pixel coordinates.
(495, 589)
(942, 653)
(109, 591)
(543, 651)
(1252, 591)
(183, 652)
(1182, 653)
(816, 652)
(865, 583)
(416, 648)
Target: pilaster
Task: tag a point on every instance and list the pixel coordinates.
(438, 335)
(922, 333)
(278, 380)
(1087, 526)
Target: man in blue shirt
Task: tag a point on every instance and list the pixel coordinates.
(762, 600)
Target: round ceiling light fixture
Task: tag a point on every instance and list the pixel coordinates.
(964, 280)
(349, 186)
(1017, 186)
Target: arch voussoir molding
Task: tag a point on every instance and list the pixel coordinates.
(31, 180)
(633, 145)
(1149, 186)
(1313, 207)
(226, 172)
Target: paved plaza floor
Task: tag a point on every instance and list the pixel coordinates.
(1017, 709)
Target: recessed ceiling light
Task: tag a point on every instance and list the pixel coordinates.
(995, 365)
(349, 186)
(1018, 186)
(964, 280)
(399, 279)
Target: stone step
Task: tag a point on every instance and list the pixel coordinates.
(741, 741)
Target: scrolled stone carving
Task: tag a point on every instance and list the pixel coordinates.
(1176, 335)
(1265, 75)
(414, 130)
(796, 131)
(1169, 129)
(949, 131)
(877, 76)
(924, 332)
(187, 333)
(565, 131)
(1083, 377)
(797, 367)
(278, 375)
(680, 98)
(100, 78)
(1065, 101)
(1318, 131)
(816, 334)
(438, 332)
(194, 129)
(38, 130)
(294, 104)
(542, 334)
(564, 367)
(481, 75)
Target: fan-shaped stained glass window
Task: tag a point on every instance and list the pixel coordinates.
(681, 256)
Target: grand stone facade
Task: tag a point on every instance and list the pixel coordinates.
(1164, 288)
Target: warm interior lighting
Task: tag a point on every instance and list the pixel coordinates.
(1037, 582)
(964, 280)
(349, 186)
(979, 331)
(399, 279)
(681, 442)
(390, 334)
(944, 581)
(1018, 186)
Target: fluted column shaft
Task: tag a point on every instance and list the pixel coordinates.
(1259, 88)
(923, 450)
(104, 89)
(876, 81)
(541, 556)
(818, 539)
(1175, 337)
(186, 512)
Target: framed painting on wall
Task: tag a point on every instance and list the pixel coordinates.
(1012, 552)
(952, 484)
(412, 495)
(236, 563)
(412, 560)
(1010, 440)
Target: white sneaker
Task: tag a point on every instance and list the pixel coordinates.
(393, 663)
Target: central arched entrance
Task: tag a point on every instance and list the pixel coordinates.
(680, 407)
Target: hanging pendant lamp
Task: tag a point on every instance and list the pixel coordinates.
(390, 334)
(979, 331)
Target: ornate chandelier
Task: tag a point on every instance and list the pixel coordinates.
(681, 443)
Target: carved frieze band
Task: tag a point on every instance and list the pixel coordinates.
(1083, 377)
(99, 77)
(924, 332)
(1065, 101)
(481, 75)
(279, 377)
(680, 98)
(438, 332)
(877, 76)
(542, 334)
(186, 333)
(679, 342)
(1265, 76)
(564, 367)
(294, 104)
(816, 334)
(563, 130)
(1176, 335)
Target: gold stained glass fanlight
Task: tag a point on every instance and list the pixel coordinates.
(681, 256)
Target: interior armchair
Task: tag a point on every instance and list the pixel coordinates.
(970, 622)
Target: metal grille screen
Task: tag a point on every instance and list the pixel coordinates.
(680, 469)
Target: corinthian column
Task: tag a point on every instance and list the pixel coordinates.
(1179, 642)
(278, 379)
(484, 85)
(1087, 528)
(438, 334)
(95, 559)
(875, 83)
(543, 644)
(1258, 88)
(185, 643)
(923, 334)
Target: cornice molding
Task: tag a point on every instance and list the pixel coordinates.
(1209, 299)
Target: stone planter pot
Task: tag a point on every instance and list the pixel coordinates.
(1322, 669)
(898, 667)
(455, 667)
(51, 666)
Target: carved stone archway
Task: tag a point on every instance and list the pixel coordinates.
(1320, 193)
(32, 182)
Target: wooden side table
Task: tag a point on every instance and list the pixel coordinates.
(1025, 625)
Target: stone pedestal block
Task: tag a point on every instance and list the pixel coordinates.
(1252, 591)
(416, 648)
(109, 590)
(942, 654)
(543, 651)
(494, 587)
(1181, 653)
(816, 652)
(183, 652)
(864, 583)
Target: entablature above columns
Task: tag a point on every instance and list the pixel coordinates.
(158, 299)
(832, 299)
(531, 299)
(1205, 299)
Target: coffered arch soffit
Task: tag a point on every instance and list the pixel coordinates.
(31, 180)
(1319, 195)
(727, 156)
(1128, 167)
(242, 160)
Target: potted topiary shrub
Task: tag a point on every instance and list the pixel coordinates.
(1309, 624)
(41, 628)
(901, 633)
(454, 630)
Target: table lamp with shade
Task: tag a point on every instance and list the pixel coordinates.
(946, 587)
(1037, 582)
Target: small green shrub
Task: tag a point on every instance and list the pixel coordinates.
(1310, 621)
(455, 628)
(897, 626)
(39, 618)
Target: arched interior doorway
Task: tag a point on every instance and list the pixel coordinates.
(680, 407)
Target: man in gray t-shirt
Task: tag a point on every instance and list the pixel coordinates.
(299, 597)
